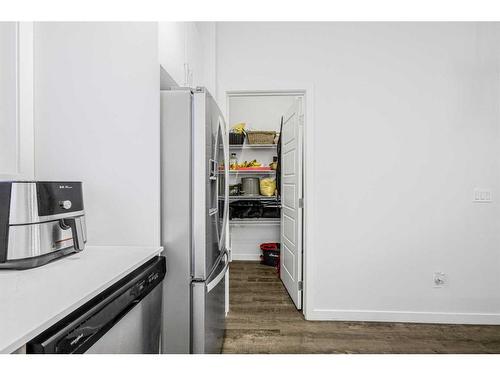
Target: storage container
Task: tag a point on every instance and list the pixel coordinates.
(250, 186)
(261, 137)
(270, 254)
(267, 187)
(236, 138)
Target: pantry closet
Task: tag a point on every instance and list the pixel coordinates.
(256, 213)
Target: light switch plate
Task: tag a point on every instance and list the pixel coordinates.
(482, 195)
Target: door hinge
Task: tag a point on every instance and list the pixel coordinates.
(301, 285)
(301, 202)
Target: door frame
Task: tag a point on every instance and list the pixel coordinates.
(25, 137)
(307, 93)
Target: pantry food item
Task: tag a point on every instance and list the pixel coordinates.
(253, 165)
(274, 164)
(238, 128)
(267, 187)
(234, 189)
(247, 164)
(233, 161)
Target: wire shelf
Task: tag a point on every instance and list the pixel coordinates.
(252, 198)
(246, 172)
(259, 221)
(247, 146)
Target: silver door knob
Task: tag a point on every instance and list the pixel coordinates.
(65, 204)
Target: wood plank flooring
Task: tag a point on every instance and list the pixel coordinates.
(263, 319)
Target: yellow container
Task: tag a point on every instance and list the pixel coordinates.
(267, 187)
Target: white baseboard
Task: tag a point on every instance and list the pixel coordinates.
(236, 256)
(403, 316)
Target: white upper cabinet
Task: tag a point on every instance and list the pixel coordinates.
(172, 49)
(194, 56)
(16, 100)
(187, 52)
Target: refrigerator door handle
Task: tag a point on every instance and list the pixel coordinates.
(216, 280)
(222, 125)
(213, 169)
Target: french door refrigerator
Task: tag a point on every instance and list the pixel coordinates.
(195, 175)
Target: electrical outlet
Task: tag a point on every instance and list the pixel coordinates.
(440, 279)
(482, 195)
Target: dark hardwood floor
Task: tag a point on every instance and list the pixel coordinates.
(263, 319)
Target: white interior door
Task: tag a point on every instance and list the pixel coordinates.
(291, 202)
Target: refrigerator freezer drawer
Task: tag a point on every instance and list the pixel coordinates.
(209, 311)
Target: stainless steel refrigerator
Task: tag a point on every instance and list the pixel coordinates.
(195, 161)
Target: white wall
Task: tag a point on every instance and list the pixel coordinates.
(97, 120)
(406, 125)
(259, 112)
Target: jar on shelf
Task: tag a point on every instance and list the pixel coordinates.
(274, 164)
(233, 161)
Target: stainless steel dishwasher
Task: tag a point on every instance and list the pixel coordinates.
(125, 318)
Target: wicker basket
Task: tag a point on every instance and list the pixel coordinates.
(260, 137)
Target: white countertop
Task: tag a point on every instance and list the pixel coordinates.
(32, 300)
